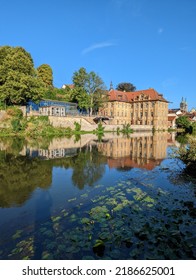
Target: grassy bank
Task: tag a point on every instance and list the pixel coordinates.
(14, 124)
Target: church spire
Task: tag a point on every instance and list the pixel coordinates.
(111, 86)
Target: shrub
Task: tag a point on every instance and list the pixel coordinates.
(187, 153)
(15, 112)
(100, 129)
(77, 127)
(127, 129)
(16, 125)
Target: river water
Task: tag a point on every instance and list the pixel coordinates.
(87, 198)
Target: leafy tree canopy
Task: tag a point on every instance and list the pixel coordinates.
(45, 74)
(18, 80)
(128, 87)
(90, 87)
(183, 122)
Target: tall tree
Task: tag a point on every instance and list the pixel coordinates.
(91, 85)
(183, 122)
(45, 74)
(18, 81)
(128, 87)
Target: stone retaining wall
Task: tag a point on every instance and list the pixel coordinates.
(87, 126)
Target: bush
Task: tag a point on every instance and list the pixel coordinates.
(100, 129)
(15, 112)
(77, 127)
(187, 153)
(127, 129)
(16, 126)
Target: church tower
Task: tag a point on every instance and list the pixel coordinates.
(183, 105)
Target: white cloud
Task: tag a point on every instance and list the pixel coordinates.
(98, 46)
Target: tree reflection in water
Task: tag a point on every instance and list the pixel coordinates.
(136, 213)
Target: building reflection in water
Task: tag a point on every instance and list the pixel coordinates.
(140, 150)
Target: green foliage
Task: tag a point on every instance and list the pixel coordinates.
(187, 153)
(100, 129)
(16, 126)
(18, 81)
(77, 127)
(20, 176)
(44, 73)
(88, 89)
(127, 129)
(118, 130)
(182, 138)
(128, 87)
(14, 112)
(183, 122)
(59, 94)
(80, 96)
(193, 128)
(33, 126)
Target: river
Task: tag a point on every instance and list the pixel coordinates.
(87, 198)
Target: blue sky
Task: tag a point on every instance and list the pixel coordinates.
(150, 43)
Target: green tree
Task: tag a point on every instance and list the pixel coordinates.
(18, 80)
(183, 122)
(128, 87)
(45, 74)
(187, 153)
(88, 84)
(80, 96)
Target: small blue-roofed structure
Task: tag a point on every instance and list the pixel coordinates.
(49, 107)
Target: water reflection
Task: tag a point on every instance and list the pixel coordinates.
(141, 151)
(69, 199)
(27, 165)
(20, 176)
(43, 205)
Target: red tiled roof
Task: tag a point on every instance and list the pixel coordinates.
(171, 118)
(116, 95)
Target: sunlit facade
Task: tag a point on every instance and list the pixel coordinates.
(144, 107)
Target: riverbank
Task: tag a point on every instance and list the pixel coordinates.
(13, 123)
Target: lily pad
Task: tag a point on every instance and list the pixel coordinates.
(99, 248)
(17, 234)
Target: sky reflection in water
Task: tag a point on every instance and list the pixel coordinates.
(114, 199)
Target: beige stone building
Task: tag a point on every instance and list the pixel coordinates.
(143, 107)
